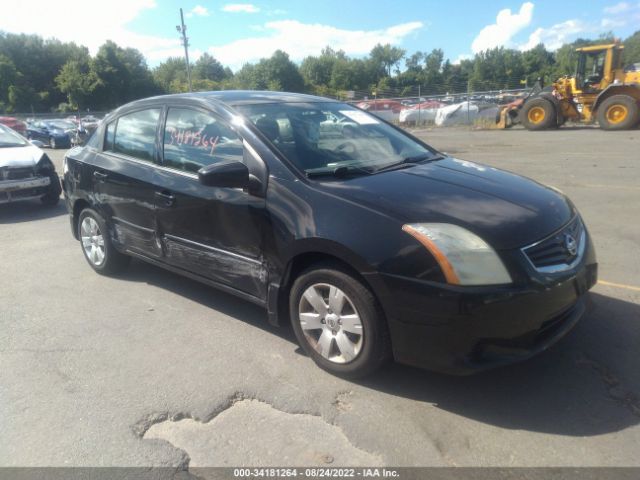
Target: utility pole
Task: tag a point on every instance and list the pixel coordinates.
(182, 29)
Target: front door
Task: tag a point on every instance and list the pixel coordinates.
(213, 232)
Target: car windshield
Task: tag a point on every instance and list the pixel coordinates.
(9, 138)
(332, 137)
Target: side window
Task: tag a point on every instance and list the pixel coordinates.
(109, 136)
(136, 134)
(194, 139)
(93, 140)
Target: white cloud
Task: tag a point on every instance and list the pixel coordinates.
(554, 36)
(612, 23)
(240, 8)
(462, 56)
(617, 8)
(507, 25)
(198, 10)
(74, 21)
(300, 40)
(621, 15)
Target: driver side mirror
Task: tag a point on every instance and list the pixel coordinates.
(230, 174)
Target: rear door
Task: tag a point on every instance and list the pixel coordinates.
(214, 232)
(123, 175)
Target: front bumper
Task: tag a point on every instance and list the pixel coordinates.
(23, 189)
(462, 330)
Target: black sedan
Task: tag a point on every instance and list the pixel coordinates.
(372, 244)
(55, 133)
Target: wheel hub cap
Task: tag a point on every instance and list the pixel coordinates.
(92, 241)
(331, 323)
(617, 113)
(536, 115)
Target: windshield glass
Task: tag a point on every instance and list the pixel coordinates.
(324, 137)
(9, 138)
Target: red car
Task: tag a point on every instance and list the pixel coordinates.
(388, 110)
(15, 124)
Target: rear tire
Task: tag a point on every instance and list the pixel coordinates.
(538, 114)
(342, 328)
(96, 244)
(618, 112)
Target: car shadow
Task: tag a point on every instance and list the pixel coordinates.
(140, 271)
(583, 386)
(29, 210)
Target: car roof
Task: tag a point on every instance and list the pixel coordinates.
(241, 97)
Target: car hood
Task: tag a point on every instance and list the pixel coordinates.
(27, 156)
(505, 209)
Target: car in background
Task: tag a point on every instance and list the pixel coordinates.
(388, 110)
(15, 124)
(26, 172)
(55, 133)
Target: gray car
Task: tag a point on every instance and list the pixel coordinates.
(26, 172)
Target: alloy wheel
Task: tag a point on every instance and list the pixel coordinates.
(330, 323)
(92, 241)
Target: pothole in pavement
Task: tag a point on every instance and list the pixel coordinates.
(252, 432)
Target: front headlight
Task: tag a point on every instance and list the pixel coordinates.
(464, 257)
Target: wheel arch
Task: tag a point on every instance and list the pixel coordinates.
(632, 91)
(78, 206)
(311, 252)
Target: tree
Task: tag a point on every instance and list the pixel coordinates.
(170, 73)
(632, 49)
(208, 68)
(277, 72)
(385, 57)
(8, 77)
(78, 81)
(122, 76)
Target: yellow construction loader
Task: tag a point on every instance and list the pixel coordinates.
(600, 90)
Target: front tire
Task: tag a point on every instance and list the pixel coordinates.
(538, 114)
(618, 112)
(96, 244)
(338, 321)
(52, 143)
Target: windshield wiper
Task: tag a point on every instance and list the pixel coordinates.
(338, 172)
(409, 161)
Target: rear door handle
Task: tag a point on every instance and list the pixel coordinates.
(99, 175)
(167, 199)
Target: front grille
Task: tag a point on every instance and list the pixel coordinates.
(555, 250)
(17, 173)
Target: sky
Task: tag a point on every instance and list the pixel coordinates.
(237, 33)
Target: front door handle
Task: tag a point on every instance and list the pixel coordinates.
(167, 198)
(99, 175)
